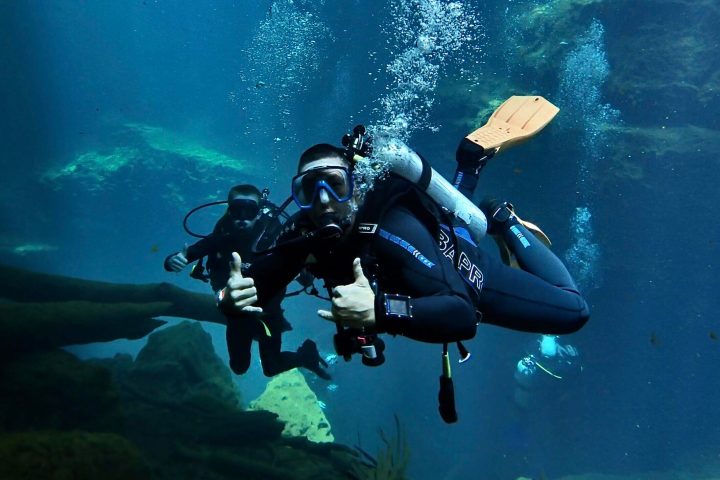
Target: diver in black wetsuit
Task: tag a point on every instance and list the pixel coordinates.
(416, 290)
(244, 225)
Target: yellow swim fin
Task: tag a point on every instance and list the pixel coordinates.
(516, 120)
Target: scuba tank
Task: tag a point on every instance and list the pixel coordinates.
(402, 161)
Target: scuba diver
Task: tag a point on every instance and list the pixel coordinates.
(249, 223)
(546, 365)
(545, 384)
(395, 263)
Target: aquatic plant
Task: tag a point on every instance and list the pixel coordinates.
(390, 464)
(139, 150)
(204, 158)
(290, 397)
(93, 168)
(170, 413)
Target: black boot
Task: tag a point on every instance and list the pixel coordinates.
(471, 157)
(309, 357)
(500, 215)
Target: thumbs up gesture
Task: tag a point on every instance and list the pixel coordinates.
(353, 305)
(240, 292)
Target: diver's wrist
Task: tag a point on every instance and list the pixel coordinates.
(392, 312)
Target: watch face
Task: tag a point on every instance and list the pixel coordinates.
(397, 306)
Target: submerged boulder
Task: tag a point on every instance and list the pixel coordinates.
(179, 364)
(70, 455)
(56, 391)
(289, 396)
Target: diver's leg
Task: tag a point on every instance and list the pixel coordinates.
(275, 361)
(471, 158)
(542, 297)
(532, 255)
(238, 336)
(518, 299)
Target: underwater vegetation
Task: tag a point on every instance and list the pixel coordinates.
(138, 153)
(391, 463)
(172, 412)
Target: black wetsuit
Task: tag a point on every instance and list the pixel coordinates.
(242, 329)
(411, 254)
(219, 245)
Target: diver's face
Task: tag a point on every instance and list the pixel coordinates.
(325, 208)
(244, 210)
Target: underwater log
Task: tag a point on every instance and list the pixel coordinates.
(42, 311)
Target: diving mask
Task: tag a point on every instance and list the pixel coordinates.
(336, 181)
(243, 210)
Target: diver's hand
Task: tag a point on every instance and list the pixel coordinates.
(239, 293)
(353, 305)
(177, 261)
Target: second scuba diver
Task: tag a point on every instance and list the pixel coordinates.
(250, 222)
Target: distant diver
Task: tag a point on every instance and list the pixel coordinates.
(251, 222)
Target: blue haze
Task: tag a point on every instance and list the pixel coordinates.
(644, 245)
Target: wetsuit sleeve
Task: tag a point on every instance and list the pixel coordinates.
(210, 244)
(411, 263)
(273, 272)
(195, 251)
(203, 248)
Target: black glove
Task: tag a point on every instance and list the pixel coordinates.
(471, 156)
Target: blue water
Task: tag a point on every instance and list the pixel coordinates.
(624, 181)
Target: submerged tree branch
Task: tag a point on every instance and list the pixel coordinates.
(44, 311)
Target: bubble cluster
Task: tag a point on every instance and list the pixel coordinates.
(284, 55)
(386, 151)
(584, 254)
(285, 49)
(584, 72)
(425, 37)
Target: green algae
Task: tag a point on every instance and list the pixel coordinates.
(93, 168)
(167, 141)
(138, 149)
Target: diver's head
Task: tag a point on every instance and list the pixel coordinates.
(324, 188)
(548, 345)
(244, 206)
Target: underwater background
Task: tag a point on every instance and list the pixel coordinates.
(117, 117)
